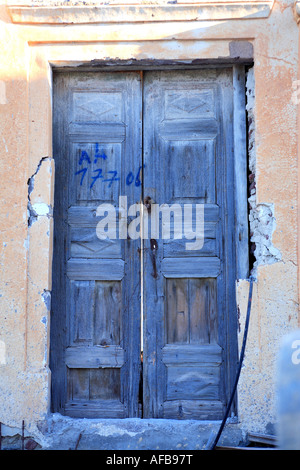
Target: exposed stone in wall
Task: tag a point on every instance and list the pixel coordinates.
(263, 224)
(261, 215)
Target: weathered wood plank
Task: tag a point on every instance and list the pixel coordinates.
(58, 304)
(95, 269)
(191, 267)
(104, 132)
(78, 384)
(192, 354)
(203, 311)
(104, 384)
(193, 409)
(267, 439)
(108, 313)
(94, 357)
(177, 311)
(191, 308)
(188, 130)
(101, 409)
(177, 248)
(81, 306)
(227, 324)
(82, 216)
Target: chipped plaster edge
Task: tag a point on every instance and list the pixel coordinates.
(262, 219)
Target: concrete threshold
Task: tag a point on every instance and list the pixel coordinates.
(64, 433)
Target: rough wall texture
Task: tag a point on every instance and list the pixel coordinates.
(28, 175)
(262, 220)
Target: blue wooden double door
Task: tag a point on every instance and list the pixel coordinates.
(143, 320)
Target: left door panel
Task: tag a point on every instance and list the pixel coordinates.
(95, 319)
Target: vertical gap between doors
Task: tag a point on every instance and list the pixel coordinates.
(142, 246)
(142, 215)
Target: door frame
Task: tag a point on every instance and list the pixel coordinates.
(240, 160)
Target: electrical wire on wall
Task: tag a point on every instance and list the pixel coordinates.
(213, 445)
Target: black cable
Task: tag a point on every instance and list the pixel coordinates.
(239, 367)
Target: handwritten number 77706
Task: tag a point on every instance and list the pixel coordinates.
(110, 176)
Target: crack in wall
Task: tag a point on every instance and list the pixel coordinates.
(39, 207)
(262, 220)
(34, 211)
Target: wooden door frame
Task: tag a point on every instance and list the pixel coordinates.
(240, 160)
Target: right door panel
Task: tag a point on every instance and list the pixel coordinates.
(189, 302)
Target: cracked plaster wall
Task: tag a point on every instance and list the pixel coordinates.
(273, 226)
(39, 203)
(261, 215)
